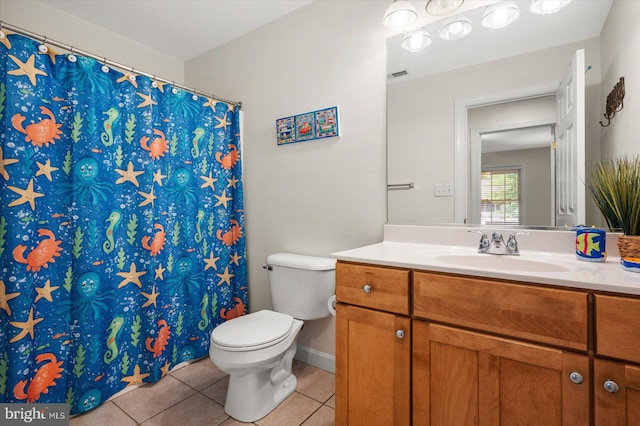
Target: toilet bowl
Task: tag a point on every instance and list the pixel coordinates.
(257, 349)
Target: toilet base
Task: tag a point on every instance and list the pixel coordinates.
(264, 396)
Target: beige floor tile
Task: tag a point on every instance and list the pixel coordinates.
(218, 391)
(292, 412)
(197, 410)
(233, 422)
(199, 375)
(147, 401)
(316, 383)
(107, 414)
(325, 416)
(331, 402)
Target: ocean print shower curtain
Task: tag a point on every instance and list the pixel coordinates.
(121, 226)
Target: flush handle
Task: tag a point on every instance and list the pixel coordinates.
(400, 334)
(366, 288)
(576, 377)
(611, 386)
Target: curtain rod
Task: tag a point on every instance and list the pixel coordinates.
(105, 61)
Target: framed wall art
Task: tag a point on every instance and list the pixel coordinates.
(319, 124)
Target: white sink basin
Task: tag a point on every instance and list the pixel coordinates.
(499, 262)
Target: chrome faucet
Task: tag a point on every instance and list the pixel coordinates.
(496, 244)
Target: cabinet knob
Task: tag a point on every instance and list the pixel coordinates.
(576, 377)
(400, 334)
(366, 288)
(611, 386)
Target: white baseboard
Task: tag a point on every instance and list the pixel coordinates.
(316, 358)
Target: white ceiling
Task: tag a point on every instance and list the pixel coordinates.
(182, 29)
(581, 19)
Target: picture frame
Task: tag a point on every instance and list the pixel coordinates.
(319, 124)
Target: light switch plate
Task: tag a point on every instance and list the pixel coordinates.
(443, 190)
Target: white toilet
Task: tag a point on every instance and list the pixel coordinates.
(257, 350)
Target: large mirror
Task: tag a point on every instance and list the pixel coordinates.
(472, 123)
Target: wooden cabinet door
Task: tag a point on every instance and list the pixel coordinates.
(373, 367)
(468, 378)
(617, 393)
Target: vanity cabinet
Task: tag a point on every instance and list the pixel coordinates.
(472, 366)
(617, 382)
(428, 348)
(373, 346)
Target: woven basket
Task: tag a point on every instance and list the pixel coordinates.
(629, 246)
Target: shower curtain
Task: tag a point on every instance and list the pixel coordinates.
(121, 226)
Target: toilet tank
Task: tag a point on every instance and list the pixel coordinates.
(301, 285)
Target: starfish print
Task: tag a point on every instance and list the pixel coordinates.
(160, 272)
(27, 68)
(26, 326)
(151, 297)
(208, 181)
(51, 54)
(128, 175)
(5, 162)
(4, 39)
(225, 277)
(222, 199)
(45, 292)
(235, 258)
(211, 103)
(148, 198)
(211, 262)
(4, 298)
(147, 101)
(136, 378)
(232, 182)
(222, 122)
(165, 368)
(133, 276)
(160, 85)
(27, 195)
(231, 107)
(46, 169)
(131, 78)
(158, 176)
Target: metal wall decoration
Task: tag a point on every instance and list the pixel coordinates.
(614, 102)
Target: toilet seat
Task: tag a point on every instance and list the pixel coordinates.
(252, 332)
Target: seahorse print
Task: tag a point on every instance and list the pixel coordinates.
(200, 218)
(112, 344)
(107, 136)
(199, 133)
(114, 220)
(204, 322)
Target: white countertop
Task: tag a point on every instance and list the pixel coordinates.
(556, 266)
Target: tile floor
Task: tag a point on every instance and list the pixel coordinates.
(194, 395)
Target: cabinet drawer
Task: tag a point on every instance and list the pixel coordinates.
(388, 288)
(618, 327)
(546, 315)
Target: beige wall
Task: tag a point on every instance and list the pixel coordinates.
(620, 44)
(314, 197)
(45, 20)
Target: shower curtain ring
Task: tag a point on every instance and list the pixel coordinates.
(42, 48)
(71, 57)
(104, 67)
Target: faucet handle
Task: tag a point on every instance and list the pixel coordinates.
(484, 241)
(512, 243)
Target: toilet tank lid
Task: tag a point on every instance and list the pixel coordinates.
(300, 261)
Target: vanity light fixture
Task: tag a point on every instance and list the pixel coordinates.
(546, 7)
(400, 14)
(500, 15)
(442, 7)
(455, 28)
(416, 41)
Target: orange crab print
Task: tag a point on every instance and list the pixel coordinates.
(238, 310)
(39, 134)
(42, 255)
(41, 381)
(158, 147)
(229, 160)
(157, 244)
(162, 340)
(232, 236)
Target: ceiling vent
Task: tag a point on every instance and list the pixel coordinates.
(398, 74)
